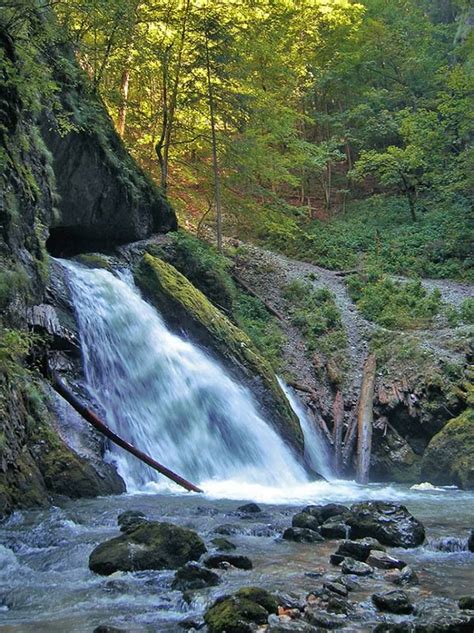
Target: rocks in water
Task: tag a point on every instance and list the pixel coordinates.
(396, 601)
(305, 520)
(382, 560)
(223, 544)
(194, 576)
(215, 561)
(336, 559)
(470, 542)
(249, 508)
(284, 624)
(389, 523)
(323, 619)
(335, 527)
(129, 520)
(359, 550)
(302, 535)
(325, 512)
(227, 529)
(149, 545)
(441, 615)
(355, 567)
(405, 576)
(240, 612)
(106, 628)
(339, 605)
(466, 602)
(336, 587)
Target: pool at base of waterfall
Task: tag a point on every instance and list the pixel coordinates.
(47, 587)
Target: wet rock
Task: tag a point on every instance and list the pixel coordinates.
(105, 628)
(129, 520)
(358, 550)
(150, 545)
(355, 567)
(196, 624)
(336, 587)
(382, 560)
(194, 576)
(396, 601)
(405, 576)
(389, 523)
(336, 559)
(214, 561)
(335, 527)
(325, 512)
(440, 615)
(290, 601)
(395, 627)
(284, 624)
(323, 619)
(466, 602)
(249, 508)
(238, 613)
(302, 535)
(223, 544)
(305, 520)
(336, 604)
(470, 542)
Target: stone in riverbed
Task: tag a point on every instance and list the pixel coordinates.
(391, 524)
(336, 587)
(223, 544)
(323, 619)
(249, 508)
(466, 602)
(325, 512)
(302, 535)
(130, 519)
(305, 520)
(193, 576)
(396, 601)
(470, 542)
(336, 559)
(355, 567)
(150, 545)
(284, 624)
(382, 560)
(335, 527)
(359, 550)
(217, 560)
(405, 576)
(240, 612)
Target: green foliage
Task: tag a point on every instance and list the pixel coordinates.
(394, 304)
(315, 313)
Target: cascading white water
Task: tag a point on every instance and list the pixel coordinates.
(169, 398)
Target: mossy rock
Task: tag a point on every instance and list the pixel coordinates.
(449, 457)
(183, 305)
(393, 459)
(151, 545)
(94, 260)
(238, 613)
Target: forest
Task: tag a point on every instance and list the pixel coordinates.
(236, 260)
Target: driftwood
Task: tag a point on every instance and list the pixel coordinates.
(91, 417)
(252, 292)
(338, 417)
(300, 387)
(365, 420)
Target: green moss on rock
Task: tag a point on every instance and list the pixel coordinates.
(449, 457)
(238, 613)
(182, 303)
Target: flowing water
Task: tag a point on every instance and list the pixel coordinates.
(173, 401)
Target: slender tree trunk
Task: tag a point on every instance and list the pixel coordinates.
(124, 85)
(365, 419)
(215, 163)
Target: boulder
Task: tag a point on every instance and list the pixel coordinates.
(396, 601)
(359, 550)
(217, 560)
(194, 576)
(466, 602)
(249, 508)
(449, 457)
(150, 545)
(336, 587)
(470, 542)
(389, 523)
(335, 527)
(302, 535)
(239, 613)
(223, 545)
(325, 512)
(382, 560)
(130, 519)
(319, 618)
(355, 567)
(305, 520)
(401, 577)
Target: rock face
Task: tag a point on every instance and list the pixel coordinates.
(389, 523)
(150, 545)
(449, 457)
(184, 306)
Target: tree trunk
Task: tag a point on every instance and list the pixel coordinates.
(124, 85)
(215, 163)
(365, 419)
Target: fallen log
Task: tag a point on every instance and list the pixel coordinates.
(243, 284)
(338, 417)
(365, 420)
(304, 388)
(92, 419)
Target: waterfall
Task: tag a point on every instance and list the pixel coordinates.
(168, 397)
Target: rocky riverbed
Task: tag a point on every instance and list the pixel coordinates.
(48, 552)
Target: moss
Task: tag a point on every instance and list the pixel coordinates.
(449, 457)
(174, 294)
(234, 616)
(94, 260)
